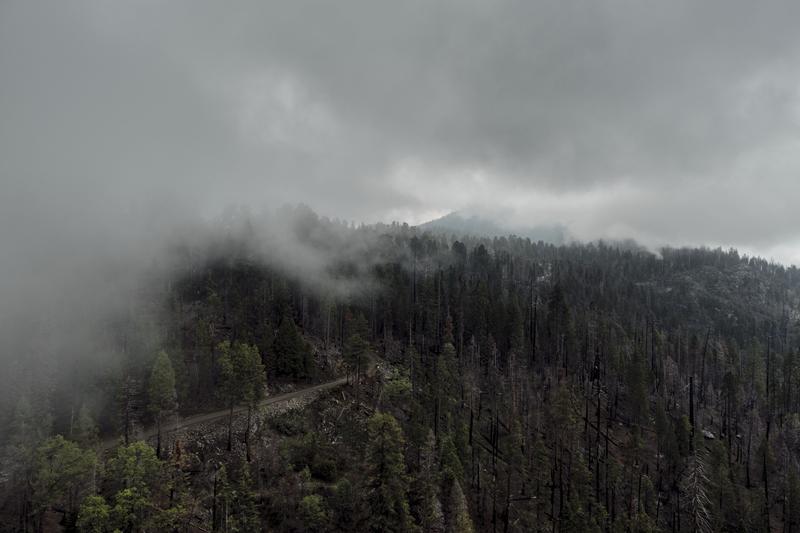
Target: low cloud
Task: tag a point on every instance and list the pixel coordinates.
(124, 126)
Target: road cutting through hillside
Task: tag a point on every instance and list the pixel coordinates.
(204, 418)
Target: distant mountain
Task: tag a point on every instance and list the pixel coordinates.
(463, 224)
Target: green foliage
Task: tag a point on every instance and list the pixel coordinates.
(241, 374)
(244, 510)
(30, 425)
(314, 513)
(161, 386)
(94, 515)
(182, 380)
(161, 391)
(683, 435)
(446, 384)
(427, 505)
(386, 476)
(458, 520)
(347, 506)
(138, 477)
(291, 354)
(356, 347)
(132, 509)
(85, 432)
(516, 366)
(136, 467)
(397, 391)
(452, 469)
(576, 518)
(310, 451)
(63, 473)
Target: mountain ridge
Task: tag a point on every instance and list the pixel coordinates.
(457, 222)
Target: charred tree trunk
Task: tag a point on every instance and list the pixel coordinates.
(230, 429)
(247, 432)
(691, 413)
(158, 436)
(703, 370)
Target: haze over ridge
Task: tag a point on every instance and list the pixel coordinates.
(125, 126)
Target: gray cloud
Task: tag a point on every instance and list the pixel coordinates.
(672, 122)
(125, 127)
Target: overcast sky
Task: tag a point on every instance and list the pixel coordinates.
(670, 122)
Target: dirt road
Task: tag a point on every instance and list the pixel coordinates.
(204, 418)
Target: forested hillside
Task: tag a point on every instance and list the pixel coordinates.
(494, 385)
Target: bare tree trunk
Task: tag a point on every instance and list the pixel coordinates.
(230, 429)
(158, 436)
(214, 505)
(691, 412)
(247, 432)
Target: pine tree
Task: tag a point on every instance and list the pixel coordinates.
(86, 432)
(253, 384)
(458, 520)
(245, 516)
(30, 425)
(137, 472)
(161, 392)
(181, 371)
(63, 473)
(694, 489)
(347, 506)
(386, 476)
(452, 469)
(356, 349)
(446, 386)
(94, 515)
(428, 505)
(291, 354)
(242, 380)
(313, 513)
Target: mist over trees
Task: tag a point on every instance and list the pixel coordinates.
(494, 384)
(533, 351)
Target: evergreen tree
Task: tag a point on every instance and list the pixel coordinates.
(161, 392)
(313, 513)
(458, 520)
(427, 503)
(252, 382)
(136, 467)
(63, 474)
(356, 350)
(291, 354)
(86, 432)
(182, 378)
(30, 425)
(446, 386)
(452, 469)
(245, 510)
(94, 515)
(136, 473)
(386, 476)
(242, 380)
(694, 489)
(347, 506)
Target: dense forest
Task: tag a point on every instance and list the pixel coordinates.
(492, 385)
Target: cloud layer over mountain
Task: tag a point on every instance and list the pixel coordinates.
(671, 122)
